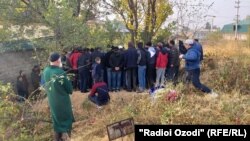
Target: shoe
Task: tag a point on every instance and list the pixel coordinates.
(213, 94)
(140, 91)
(99, 107)
(118, 90)
(129, 90)
(65, 137)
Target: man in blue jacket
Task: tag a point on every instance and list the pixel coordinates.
(192, 58)
(199, 47)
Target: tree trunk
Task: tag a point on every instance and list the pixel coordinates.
(132, 37)
(78, 9)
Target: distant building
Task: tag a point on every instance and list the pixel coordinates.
(243, 28)
(203, 33)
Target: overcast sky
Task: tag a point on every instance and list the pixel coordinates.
(225, 11)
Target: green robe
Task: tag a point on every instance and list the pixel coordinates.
(58, 88)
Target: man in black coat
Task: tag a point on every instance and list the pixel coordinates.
(108, 67)
(116, 63)
(173, 62)
(130, 63)
(84, 65)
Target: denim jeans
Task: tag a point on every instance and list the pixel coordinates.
(94, 99)
(194, 76)
(142, 77)
(109, 78)
(116, 80)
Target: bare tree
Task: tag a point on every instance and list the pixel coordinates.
(191, 16)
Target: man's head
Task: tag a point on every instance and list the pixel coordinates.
(131, 45)
(159, 45)
(21, 73)
(98, 60)
(196, 40)
(188, 43)
(148, 44)
(171, 43)
(64, 52)
(55, 59)
(140, 45)
(36, 68)
(116, 49)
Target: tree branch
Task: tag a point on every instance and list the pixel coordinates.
(28, 3)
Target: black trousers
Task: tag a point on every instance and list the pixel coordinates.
(151, 75)
(131, 78)
(84, 78)
(75, 79)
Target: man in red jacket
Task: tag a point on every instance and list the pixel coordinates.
(99, 93)
(73, 61)
(161, 63)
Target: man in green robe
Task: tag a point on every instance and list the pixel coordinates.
(58, 88)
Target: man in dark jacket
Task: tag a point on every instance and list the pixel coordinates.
(130, 63)
(65, 61)
(182, 48)
(151, 71)
(108, 67)
(22, 86)
(142, 61)
(35, 80)
(192, 58)
(173, 62)
(84, 70)
(116, 63)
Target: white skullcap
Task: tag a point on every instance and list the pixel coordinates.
(120, 47)
(189, 41)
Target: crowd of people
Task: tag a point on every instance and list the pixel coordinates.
(135, 69)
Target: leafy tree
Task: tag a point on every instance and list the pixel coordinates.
(141, 16)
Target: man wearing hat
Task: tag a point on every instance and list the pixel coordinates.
(58, 88)
(192, 58)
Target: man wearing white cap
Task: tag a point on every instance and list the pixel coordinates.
(192, 58)
(58, 88)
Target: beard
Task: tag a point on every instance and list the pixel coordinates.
(60, 65)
